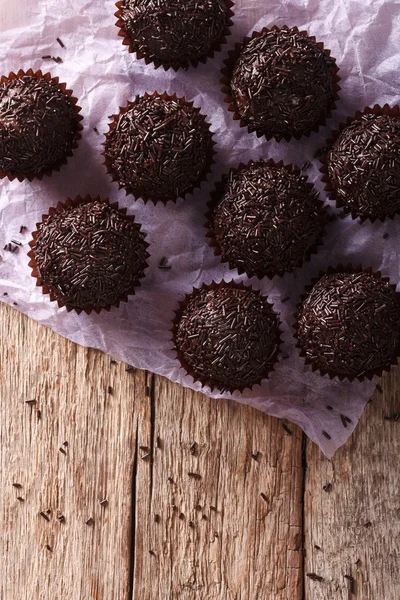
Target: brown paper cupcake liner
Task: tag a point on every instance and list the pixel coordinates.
(216, 196)
(63, 87)
(331, 192)
(134, 48)
(349, 268)
(128, 189)
(189, 370)
(61, 207)
(227, 72)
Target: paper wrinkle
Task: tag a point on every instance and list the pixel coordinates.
(362, 37)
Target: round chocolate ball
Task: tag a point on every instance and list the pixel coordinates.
(364, 166)
(38, 125)
(174, 33)
(283, 83)
(349, 324)
(267, 220)
(159, 149)
(227, 337)
(90, 256)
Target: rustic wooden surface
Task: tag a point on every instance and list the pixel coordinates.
(165, 534)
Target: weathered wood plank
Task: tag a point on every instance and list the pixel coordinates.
(212, 535)
(71, 449)
(356, 524)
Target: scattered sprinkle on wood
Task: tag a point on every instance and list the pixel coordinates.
(130, 369)
(109, 390)
(104, 502)
(156, 518)
(48, 547)
(191, 524)
(170, 480)
(61, 518)
(44, 516)
(90, 521)
(317, 547)
(61, 449)
(255, 455)
(181, 516)
(144, 448)
(60, 42)
(20, 499)
(194, 475)
(314, 577)
(326, 434)
(113, 362)
(193, 448)
(65, 444)
(327, 488)
(358, 561)
(204, 517)
(39, 414)
(158, 442)
(286, 428)
(145, 456)
(368, 524)
(395, 417)
(264, 497)
(213, 508)
(17, 485)
(152, 552)
(147, 391)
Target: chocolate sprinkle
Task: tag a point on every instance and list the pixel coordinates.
(350, 324)
(174, 33)
(159, 148)
(283, 83)
(90, 255)
(364, 166)
(38, 125)
(227, 337)
(267, 220)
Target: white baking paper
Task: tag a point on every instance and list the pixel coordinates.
(363, 36)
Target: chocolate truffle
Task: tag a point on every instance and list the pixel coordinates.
(349, 324)
(159, 148)
(364, 166)
(174, 33)
(39, 125)
(267, 219)
(227, 337)
(283, 83)
(89, 256)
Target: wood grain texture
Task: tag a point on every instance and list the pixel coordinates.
(356, 524)
(69, 451)
(203, 530)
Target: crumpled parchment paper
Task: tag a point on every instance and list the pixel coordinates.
(363, 36)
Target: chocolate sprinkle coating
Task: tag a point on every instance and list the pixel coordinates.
(364, 166)
(350, 324)
(174, 33)
(227, 337)
(90, 255)
(267, 220)
(38, 125)
(159, 149)
(283, 83)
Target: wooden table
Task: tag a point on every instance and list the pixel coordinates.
(118, 484)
